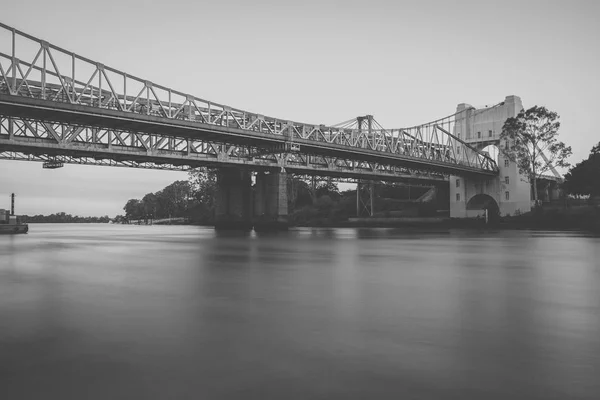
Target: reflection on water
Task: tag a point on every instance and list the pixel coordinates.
(167, 312)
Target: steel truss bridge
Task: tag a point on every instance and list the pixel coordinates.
(60, 107)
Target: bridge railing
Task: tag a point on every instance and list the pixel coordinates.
(34, 68)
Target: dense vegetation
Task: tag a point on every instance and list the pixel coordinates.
(531, 140)
(192, 199)
(65, 218)
(584, 178)
(308, 202)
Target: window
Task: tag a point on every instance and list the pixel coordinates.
(478, 135)
(507, 195)
(506, 162)
(457, 196)
(490, 133)
(458, 183)
(506, 180)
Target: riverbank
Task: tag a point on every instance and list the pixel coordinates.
(574, 218)
(580, 218)
(452, 223)
(577, 218)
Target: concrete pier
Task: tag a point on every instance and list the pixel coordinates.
(234, 199)
(270, 201)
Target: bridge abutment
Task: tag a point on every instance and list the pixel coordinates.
(509, 193)
(270, 201)
(469, 197)
(234, 199)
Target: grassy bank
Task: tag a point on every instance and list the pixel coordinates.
(579, 217)
(572, 218)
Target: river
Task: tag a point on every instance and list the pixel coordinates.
(181, 312)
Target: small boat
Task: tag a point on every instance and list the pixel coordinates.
(9, 222)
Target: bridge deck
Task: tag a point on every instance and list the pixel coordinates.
(81, 115)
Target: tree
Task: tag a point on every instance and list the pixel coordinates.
(203, 192)
(298, 192)
(531, 141)
(194, 197)
(584, 177)
(328, 188)
(133, 209)
(150, 205)
(203, 185)
(175, 198)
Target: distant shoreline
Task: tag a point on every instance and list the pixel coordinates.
(512, 223)
(559, 220)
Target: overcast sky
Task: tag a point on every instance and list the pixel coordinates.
(322, 62)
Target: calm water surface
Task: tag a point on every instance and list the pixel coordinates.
(172, 312)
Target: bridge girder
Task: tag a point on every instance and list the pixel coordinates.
(35, 140)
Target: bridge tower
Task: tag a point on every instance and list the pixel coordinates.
(365, 122)
(509, 193)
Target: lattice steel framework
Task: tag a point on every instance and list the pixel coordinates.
(57, 102)
(43, 141)
(365, 199)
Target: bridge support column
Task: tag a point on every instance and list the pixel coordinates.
(554, 191)
(270, 201)
(365, 199)
(548, 190)
(234, 199)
